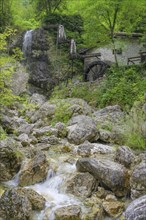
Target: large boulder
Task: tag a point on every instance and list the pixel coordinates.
(109, 121)
(37, 201)
(78, 106)
(81, 128)
(15, 206)
(138, 180)
(34, 171)
(125, 156)
(10, 159)
(45, 131)
(87, 149)
(110, 174)
(108, 116)
(136, 210)
(45, 112)
(81, 185)
(71, 212)
(37, 99)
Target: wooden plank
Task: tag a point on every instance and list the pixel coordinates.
(125, 34)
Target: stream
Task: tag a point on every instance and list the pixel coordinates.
(53, 188)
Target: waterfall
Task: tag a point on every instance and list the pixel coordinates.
(27, 42)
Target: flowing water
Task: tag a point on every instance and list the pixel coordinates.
(52, 189)
(27, 42)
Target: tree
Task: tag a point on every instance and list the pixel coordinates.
(105, 17)
(45, 7)
(5, 14)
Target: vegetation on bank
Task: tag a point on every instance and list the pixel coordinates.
(122, 86)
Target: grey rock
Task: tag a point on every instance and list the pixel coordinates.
(136, 210)
(112, 175)
(71, 212)
(15, 206)
(38, 59)
(110, 121)
(45, 131)
(34, 171)
(138, 180)
(143, 129)
(125, 156)
(81, 185)
(52, 140)
(37, 99)
(79, 106)
(81, 128)
(25, 128)
(108, 115)
(37, 201)
(87, 149)
(46, 111)
(24, 139)
(19, 84)
(10, 159)
(62, 130)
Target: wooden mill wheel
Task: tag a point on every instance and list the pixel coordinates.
(94, 70)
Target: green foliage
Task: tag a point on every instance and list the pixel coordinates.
(24, 16)
(3, 134)
(120, 86)
(104, 17)
(62, 112)
(5, 14)
(6, 70)
(73, 24)
(132, 135)
(44, 7)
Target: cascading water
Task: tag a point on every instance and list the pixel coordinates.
(27, 42)
(52, 189)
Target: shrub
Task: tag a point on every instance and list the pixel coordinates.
(62, 112)
(122, 86)
(132, 133)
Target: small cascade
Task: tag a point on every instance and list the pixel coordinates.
(14, 182)
(27, 42)
(52, 191)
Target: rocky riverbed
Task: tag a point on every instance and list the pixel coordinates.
(78, 170)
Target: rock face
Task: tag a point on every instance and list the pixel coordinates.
(136, 209)
(110, 174)
(34, 171)
(124, 155)
(15, 206)
(10, 160)
(71, 212)
(138, 180)
(82, 185)
(35, 48)
(81, 128)
(19, 84)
